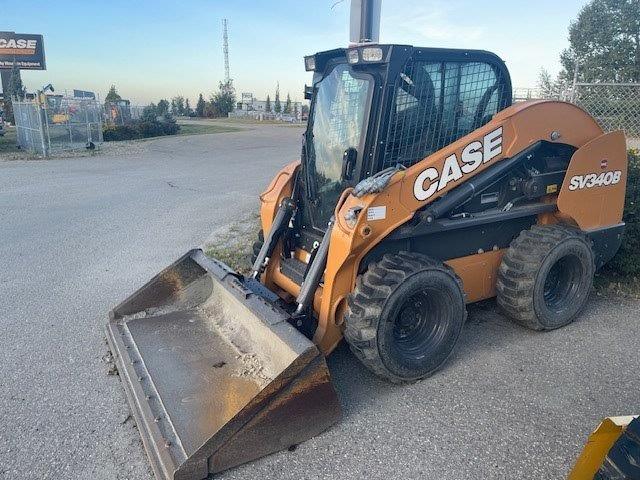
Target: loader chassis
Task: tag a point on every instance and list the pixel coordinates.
(478, 171)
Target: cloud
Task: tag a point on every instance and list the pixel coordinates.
(429, 22)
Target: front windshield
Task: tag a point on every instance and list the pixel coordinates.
(337, 123)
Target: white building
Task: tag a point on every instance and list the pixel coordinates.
(251, 106)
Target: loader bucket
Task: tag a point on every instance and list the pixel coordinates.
(214, 374)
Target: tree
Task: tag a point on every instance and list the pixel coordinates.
(163, 107)
(277, 106)
(295, 110)
(287, 105)
(187, 108)
(605, 41)
(150, 113)
(177, 105)
(200, 106)
(549, 88)
(267, 105)
(224, 99)
(15, 89)
(112, 96)
(210, 109)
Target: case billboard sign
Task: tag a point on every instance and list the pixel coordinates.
(24, 49)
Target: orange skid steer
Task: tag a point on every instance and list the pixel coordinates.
(420, 188)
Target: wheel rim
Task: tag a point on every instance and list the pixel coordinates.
(562, 283)
(419, 327)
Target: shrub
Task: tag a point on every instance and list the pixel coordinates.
(169, 125)
(150, 129)
(115, 133)
(627, 260)
(170, 128)
(150, 113)
(141, 129)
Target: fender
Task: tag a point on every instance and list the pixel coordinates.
(593, 190)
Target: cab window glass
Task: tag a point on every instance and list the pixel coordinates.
(438, 102)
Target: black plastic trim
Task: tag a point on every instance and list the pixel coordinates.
(487, 217)
(606, 242)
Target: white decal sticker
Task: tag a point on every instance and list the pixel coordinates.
(430, 181)
(591, 180)
(376, 213)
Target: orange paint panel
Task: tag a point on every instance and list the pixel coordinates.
(593, 190)
(478, 274)
(281, 186)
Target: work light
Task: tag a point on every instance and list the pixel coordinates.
(310, 63)
(372, 54)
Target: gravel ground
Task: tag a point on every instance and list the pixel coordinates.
(82, 233)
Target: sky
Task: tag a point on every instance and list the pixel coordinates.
(159, 49)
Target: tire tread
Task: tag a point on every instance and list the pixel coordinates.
(365, 304)
(519, 268)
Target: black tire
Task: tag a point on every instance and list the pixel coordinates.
(546, 276)
(257, 245)
(405, 316)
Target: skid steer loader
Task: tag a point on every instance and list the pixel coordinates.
(420, 188)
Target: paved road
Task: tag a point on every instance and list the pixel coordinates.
(80, 234)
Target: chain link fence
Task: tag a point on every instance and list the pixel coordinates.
(52, 124)
(29, 127)
(122, 113)
(615, 106)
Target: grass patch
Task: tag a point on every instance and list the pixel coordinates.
(234, 245)
(200, 129)
(241, 121)
(610, 284)
(237, 258)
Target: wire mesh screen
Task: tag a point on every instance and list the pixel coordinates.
(438, 102)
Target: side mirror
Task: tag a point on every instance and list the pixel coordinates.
(348, 163)
(308, 92)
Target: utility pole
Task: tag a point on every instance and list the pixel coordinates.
(225, 49)
(365, 21)
(6, 77)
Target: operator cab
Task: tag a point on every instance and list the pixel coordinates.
(377, 106)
